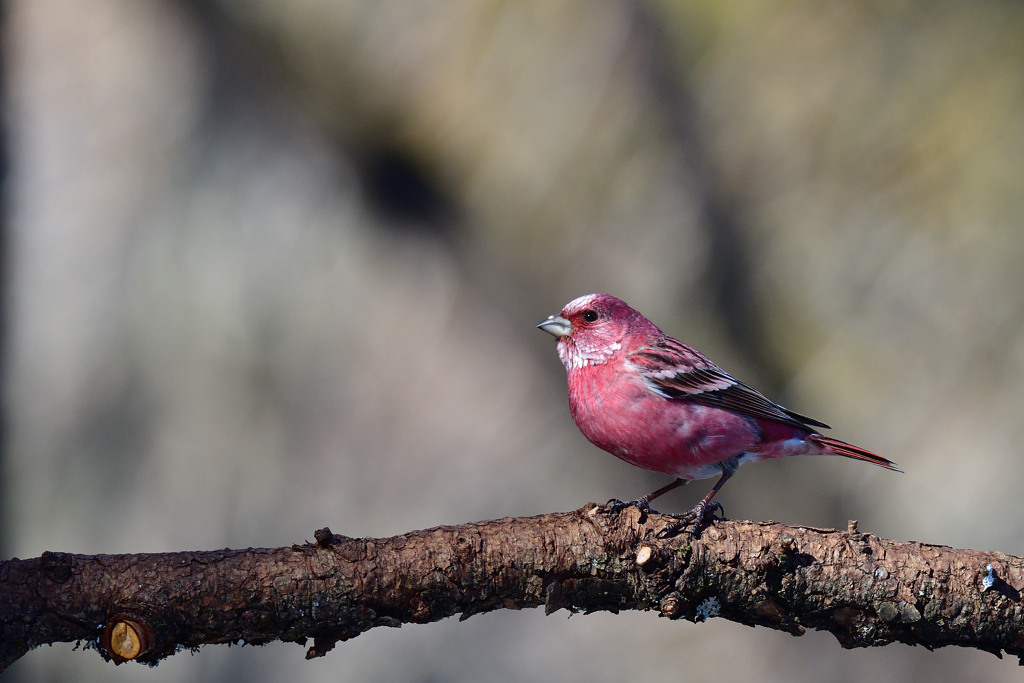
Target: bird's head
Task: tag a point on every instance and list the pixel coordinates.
(594, 328)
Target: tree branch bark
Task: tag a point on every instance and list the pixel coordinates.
(865, 590)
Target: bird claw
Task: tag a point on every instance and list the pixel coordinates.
(700, 515)
(640, 504)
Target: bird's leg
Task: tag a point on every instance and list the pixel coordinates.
(704, 511)
(644, 503)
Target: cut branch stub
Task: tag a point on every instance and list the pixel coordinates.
(126, 638)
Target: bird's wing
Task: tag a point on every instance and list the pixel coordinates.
(678, 371)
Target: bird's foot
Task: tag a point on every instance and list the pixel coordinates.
(702, 514)
(640, 504)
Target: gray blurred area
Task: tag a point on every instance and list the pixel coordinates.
(273, 265)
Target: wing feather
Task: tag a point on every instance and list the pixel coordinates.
(680, 372)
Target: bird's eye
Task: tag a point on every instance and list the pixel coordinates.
(590, 315)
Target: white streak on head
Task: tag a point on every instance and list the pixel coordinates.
(579, 303)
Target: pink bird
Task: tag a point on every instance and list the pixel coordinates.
(659, 404)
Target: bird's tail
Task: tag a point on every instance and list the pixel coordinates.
(837, 447)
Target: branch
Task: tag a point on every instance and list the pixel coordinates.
(865, 590)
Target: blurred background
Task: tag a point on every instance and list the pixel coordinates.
(271, 265)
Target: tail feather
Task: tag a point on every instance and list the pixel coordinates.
(838, 447)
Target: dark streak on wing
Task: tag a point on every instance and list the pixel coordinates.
(696, 379)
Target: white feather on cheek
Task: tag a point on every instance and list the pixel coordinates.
(574, 355)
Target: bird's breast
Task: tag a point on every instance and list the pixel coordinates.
(616, 411)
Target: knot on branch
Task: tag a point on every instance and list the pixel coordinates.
(324, 538)
(57, 567)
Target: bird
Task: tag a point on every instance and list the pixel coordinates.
(660, 404)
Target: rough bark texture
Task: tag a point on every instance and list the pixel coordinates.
(866, 590)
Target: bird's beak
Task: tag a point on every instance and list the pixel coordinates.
(556, 326)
